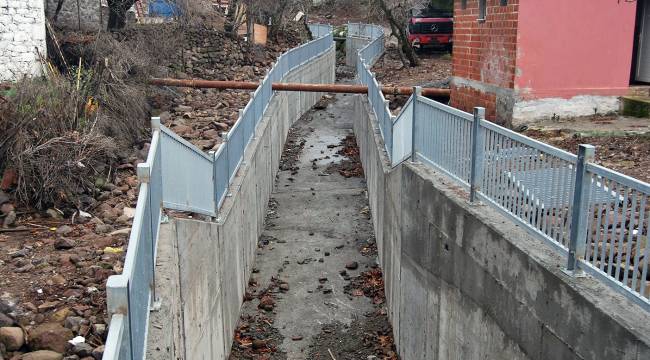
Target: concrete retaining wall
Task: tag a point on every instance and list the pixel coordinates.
(22, 38)
(463, 282)
(352, 46)
(208, 264)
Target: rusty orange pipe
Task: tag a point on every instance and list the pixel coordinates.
(335, 88)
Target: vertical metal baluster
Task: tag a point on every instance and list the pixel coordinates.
(600, 207)
(514, 165)
(487, 166)
(501, 175)
(552, 207)
(644, 273)
(568, 192)
(561, 219)
(505, 173)
(621, 237)
(613, 231)
(639, 237)
(606, 216)
(540, 195)
(630, 236)
(532, 199)
(525, 194)
(591, 219)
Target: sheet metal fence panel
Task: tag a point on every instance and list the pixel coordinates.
(156, 185)
(402, 133)
(130, 294)
(138, 267)
(319, 30)
(365, 58)
(187, 175)
(617, 230)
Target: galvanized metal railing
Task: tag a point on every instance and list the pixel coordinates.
(370, 31)
(366, 57)
(319, 30)
(596, 217)
(178, 175)
(131, 294)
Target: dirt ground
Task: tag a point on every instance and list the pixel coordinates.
(340, 12)
(433, 71)
(628, 154)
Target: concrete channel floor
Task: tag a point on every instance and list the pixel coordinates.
(317, 224)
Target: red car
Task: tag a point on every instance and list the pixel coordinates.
(434, 32)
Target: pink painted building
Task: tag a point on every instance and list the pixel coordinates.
(526, 60)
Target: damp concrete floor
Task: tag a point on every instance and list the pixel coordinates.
(297, 305)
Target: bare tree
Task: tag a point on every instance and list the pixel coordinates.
(117, 10)
(270, 12)
(397, 13)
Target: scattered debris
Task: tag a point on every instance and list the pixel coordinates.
(351, 166)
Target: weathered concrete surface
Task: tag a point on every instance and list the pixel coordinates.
(215, 259)
(352, 46)
(462, 282)
(315, 213)
(533, 111)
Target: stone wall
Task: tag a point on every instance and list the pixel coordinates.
(91, 14)
(22, 37)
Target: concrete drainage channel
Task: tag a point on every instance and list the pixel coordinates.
(461, 281)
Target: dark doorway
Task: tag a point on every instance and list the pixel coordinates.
(641, 59)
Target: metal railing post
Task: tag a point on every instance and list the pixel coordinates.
(155, 208)
(117, 303)
(155, 124)
(215, 183)
(244, 129)
(580, 211)
(417, 91)
(226, 142)
(476, 172)
(388, 125)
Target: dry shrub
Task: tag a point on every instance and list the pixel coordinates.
(50, 136)
(63, 132)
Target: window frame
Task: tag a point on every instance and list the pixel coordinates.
(482, 10)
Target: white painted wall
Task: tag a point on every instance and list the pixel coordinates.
(22, 31)
(531, 111)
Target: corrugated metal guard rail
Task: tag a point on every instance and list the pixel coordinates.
(596, 217)
(178, 175)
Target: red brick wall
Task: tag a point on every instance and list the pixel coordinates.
(466, 98)
(485, 52)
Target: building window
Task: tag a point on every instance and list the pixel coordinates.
(504, 2)
(482, 9)
(463, 4)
